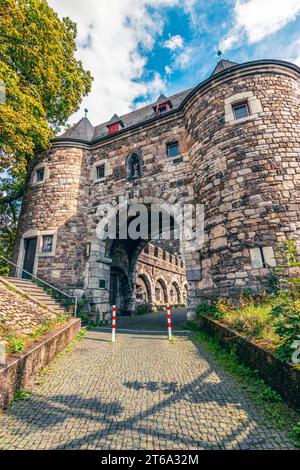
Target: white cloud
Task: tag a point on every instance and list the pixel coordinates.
(114, 38)
(181, 55)
(174, 42)
(184, 58)
(294, 52)
(256, 19)
(168, 70)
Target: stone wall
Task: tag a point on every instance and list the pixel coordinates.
(22, 370)
(159, 269)
(58, 205)
(246, 174)
(282, 377)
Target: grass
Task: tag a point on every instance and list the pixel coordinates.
(16, 343)
(268, 401)
(253, 318)
(22, 395)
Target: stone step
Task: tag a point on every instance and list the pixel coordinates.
(37, 292)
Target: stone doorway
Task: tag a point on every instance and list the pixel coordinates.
(120, 292)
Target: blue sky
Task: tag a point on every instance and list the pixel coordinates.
(137, 49)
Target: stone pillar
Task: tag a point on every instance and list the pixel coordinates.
(98, 269)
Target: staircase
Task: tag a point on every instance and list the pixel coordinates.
(30, 288)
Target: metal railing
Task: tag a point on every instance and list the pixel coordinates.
(75, 298)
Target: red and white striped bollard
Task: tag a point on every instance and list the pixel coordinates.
(114, 324)
(169, 322)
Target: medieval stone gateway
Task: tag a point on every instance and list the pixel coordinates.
(230, 144)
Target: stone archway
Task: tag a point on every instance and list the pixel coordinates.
(175, 295)
(161, 292)
(103, 260)
(119, 291)
(143, 293)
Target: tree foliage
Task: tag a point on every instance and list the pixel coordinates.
(287, 310)
(11, 189)
(44, 84)
(44, 81)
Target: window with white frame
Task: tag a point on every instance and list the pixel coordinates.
(263, 257)
(40, 174)
(241, 110)
(100, 170)
(47, 243)
(242, 107)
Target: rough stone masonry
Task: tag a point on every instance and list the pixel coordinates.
(230, 144)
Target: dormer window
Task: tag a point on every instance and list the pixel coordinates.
(114, 128)
(114, 125)
(163, 105)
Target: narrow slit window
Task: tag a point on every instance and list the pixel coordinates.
(40, 174)
(100, 171)
(173, 150)
(241, 110)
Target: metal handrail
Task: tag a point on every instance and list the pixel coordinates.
(45, 282)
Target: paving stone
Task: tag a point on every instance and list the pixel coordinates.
(140, 393)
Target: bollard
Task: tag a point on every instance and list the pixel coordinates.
(169, 322)
(114, 324)
(2, 353)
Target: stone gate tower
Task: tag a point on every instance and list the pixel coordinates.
(230, 144)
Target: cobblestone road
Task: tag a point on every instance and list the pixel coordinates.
(139, 393)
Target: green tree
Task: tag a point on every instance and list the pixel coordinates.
(287, 308)
(44, 81)
(44, 84)
(10, 190)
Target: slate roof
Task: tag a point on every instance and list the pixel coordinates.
(140, 115)
(163, 99)
(114, 120)
(84, 130)
(223, 65)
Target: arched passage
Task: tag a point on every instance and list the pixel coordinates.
(114, 260)
(175, 296)
(120, 292)
(143, 292)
